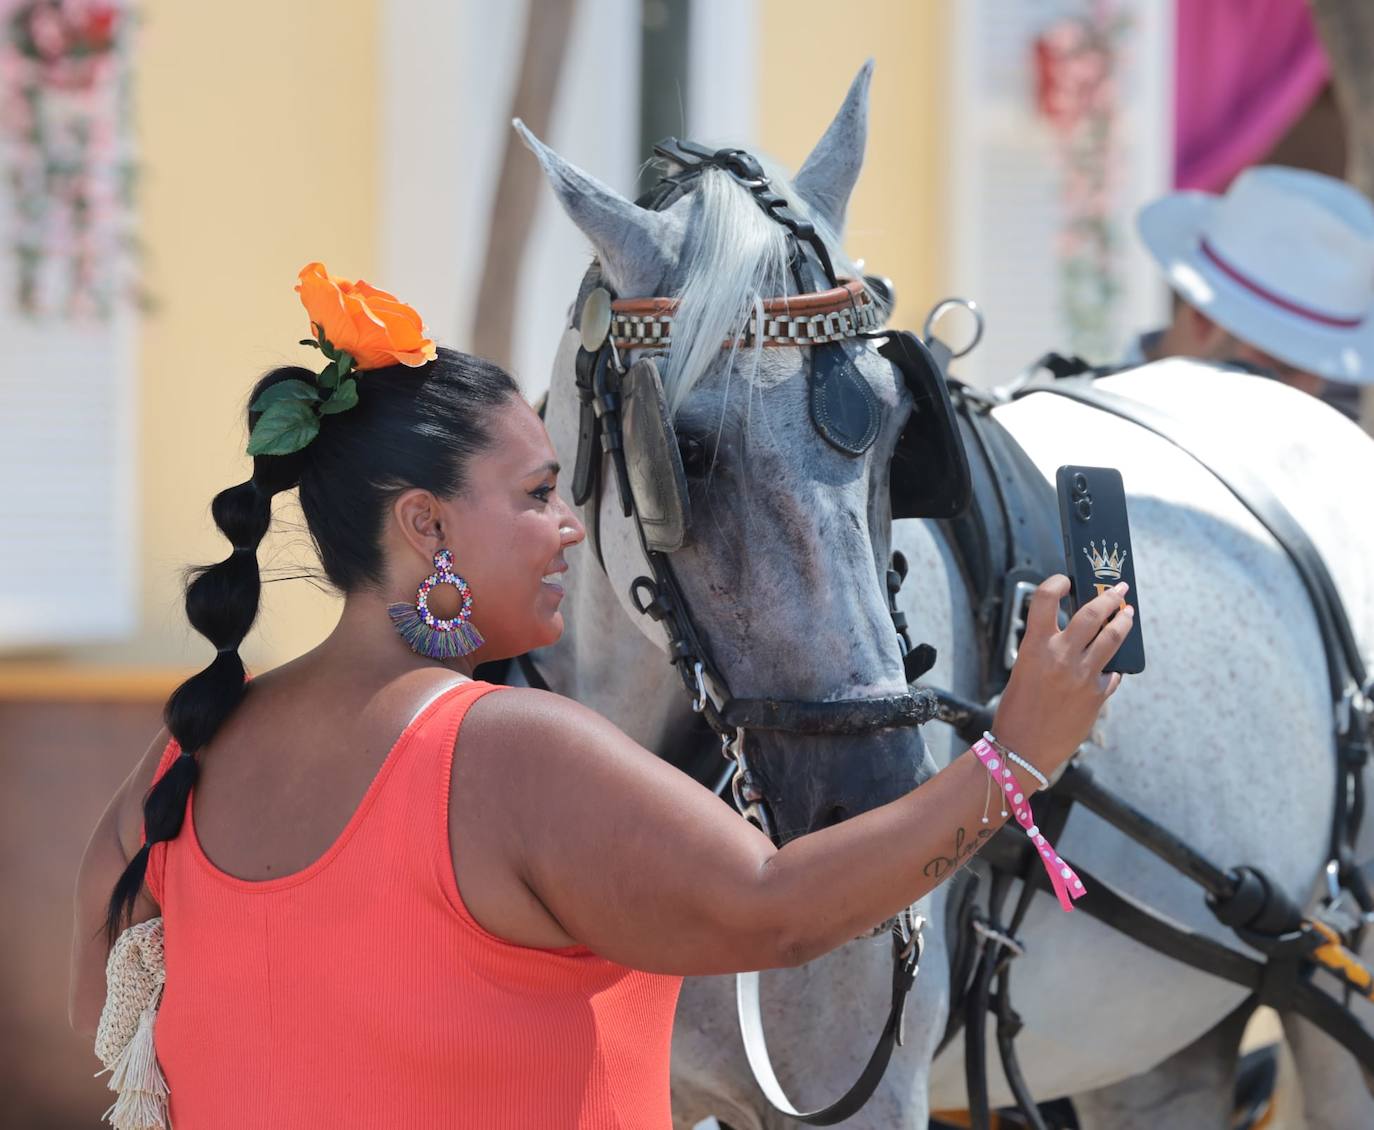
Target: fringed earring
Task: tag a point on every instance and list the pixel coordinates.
(428, 634)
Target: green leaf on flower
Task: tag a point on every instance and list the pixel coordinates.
(286, 426)
(343, 398)
(345, 364)
(326, 346)
(310, 341)
(285, 390)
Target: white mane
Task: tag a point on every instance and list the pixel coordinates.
(739, 259)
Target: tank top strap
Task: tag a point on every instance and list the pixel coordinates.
(413, 807)
(157, 858)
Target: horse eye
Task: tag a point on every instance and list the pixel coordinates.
(693, 454)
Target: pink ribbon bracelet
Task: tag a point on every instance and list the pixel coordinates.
(1067, 886)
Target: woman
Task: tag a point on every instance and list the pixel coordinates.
(371, 921)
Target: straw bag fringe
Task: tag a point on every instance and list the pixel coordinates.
(134, 977)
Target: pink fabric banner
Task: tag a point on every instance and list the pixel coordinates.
(1246, 71)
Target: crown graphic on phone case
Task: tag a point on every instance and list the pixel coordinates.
(1106, 565)
(1098, 550)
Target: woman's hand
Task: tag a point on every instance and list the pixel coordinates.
(1057, 686)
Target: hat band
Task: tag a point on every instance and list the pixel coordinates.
(1338, 321)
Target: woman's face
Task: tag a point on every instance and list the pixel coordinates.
(508, 531)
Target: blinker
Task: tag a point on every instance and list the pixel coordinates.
(929, 475)
(653, 463)
(843, 408)
(595, 323)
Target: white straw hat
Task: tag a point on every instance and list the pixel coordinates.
(1284, 261)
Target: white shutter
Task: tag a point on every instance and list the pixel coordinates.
(1005, 179)
(67, 478)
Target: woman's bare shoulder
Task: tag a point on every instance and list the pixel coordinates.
(548, 742)
(540, 719)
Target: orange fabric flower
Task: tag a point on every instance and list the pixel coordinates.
(358, 319)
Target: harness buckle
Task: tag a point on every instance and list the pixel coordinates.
(699, 699)
(1017, 609)
(909, 943)
(1013, 946)
(1356, 701)
(743, 166)
(909, 927)
(1333, 881)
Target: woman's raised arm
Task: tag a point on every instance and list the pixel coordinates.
(631, 858)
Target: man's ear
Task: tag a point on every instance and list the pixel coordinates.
(1203, 337)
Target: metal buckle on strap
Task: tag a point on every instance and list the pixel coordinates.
(1333, 881)
(699, 699)
(989, 933)
(1355, 700)
(909, 926)
(909, 944)
(1016, 621)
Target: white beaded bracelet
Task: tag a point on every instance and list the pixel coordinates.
(1017, 759)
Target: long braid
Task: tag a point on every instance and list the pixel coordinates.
(221, 603)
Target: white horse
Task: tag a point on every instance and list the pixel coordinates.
(1226, 738)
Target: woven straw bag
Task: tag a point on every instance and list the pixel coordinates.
(134, 977)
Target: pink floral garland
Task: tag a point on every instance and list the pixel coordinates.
(66, 141)
(1076, 62)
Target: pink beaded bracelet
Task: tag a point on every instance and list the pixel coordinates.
(1067, 886)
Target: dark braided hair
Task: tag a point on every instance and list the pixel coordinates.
(412, 427)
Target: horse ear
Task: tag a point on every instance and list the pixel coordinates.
(637, 247)
(828, 176)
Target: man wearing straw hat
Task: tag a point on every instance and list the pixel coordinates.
(1278, 273)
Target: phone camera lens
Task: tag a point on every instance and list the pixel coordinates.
(1085, 508)
(1080, 484)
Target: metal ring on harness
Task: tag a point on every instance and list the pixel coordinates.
(939, 310)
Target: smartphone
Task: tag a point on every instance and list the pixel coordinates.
(1097, 548)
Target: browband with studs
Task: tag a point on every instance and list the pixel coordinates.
(843, 312)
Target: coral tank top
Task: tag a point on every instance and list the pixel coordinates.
(360, 992)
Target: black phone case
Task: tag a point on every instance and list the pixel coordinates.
(1097, 548)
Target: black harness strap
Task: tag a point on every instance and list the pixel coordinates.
(1007, 540)
(1281, 981)
(906, 964)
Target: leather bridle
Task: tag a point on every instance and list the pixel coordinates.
(659, 595)
(817, 319)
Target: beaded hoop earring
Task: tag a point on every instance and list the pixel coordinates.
(431, 635)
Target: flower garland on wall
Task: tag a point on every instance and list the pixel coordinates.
(66, 139)
(1076, 63)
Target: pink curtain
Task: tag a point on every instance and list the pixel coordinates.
(1246, 71)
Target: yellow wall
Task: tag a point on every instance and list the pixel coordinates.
(811, 51)
(258, 126)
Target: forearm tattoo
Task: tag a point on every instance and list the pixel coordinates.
(943, 866)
